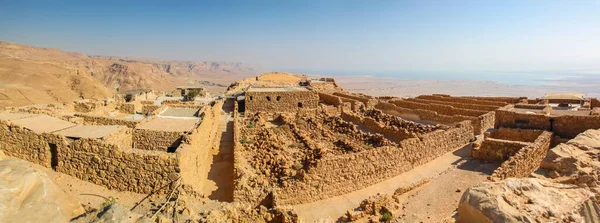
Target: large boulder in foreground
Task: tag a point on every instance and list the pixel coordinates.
(29, 195)
(522, 200)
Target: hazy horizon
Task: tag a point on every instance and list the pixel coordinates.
(465, 39)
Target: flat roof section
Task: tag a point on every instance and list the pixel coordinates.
(277, 89)
(14, 116)
(181, 112)
(169, 125)
(89, 131)
(43, 124)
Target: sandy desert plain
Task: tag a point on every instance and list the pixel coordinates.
(112, 139)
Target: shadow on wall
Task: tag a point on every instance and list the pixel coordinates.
(471, 164)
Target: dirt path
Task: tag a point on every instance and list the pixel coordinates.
(450, 165)
(220, 177)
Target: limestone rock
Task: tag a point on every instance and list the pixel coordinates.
(29, 195)
(522, 200)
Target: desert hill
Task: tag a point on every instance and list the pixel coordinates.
(30, 75)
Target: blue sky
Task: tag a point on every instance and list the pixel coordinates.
(323, 36)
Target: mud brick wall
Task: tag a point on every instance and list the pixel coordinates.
(571, 126)
(346, 173)
(156, 140)
(330, 99)
(119, 169)
(99, 120)
(367, 101)
(195, 152)
(456, 104)
(149, 109)
(24, 144)
(509, 119)
(526, 160)
(282, 101)
(497, 149)
(522, 135)
(462, 100)
(128, 108)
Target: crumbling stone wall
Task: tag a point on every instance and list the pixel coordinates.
(369, 102)
(156, 140)
(571, 126)
(509, 100)
(480, 124)
(346, 173)
(462, 100)
(330, 99)
(510, 119)
(128, 108)
(149, 109)
(456, 104)
(281, 101)
(441, 109)
(526, 160)
(86, 106)
(522, 135)
(566, 126)
(497, 149)
(108, 165)
(99, 120)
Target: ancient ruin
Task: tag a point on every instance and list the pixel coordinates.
(273, 146)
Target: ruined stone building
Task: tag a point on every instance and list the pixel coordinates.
(280, 99)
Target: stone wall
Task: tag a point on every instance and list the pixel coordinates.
(24, 144)
(567, 126)
(149, 109)
(571, 126)
(509, 100)
(330, 99)
(480, 124)
(497, 149)
(595, 103)
(343, 174)
(86, 106)
(281, 101)
(439, 108)
(93, 160)
(370, 123)
(456, 104)
(462, 100)
(509, 119)
(128, 108)
(523, 135)
(99, 120)
(195, 151)
(156, 140)
(367, 101)
(109, 165)
(526, 160)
